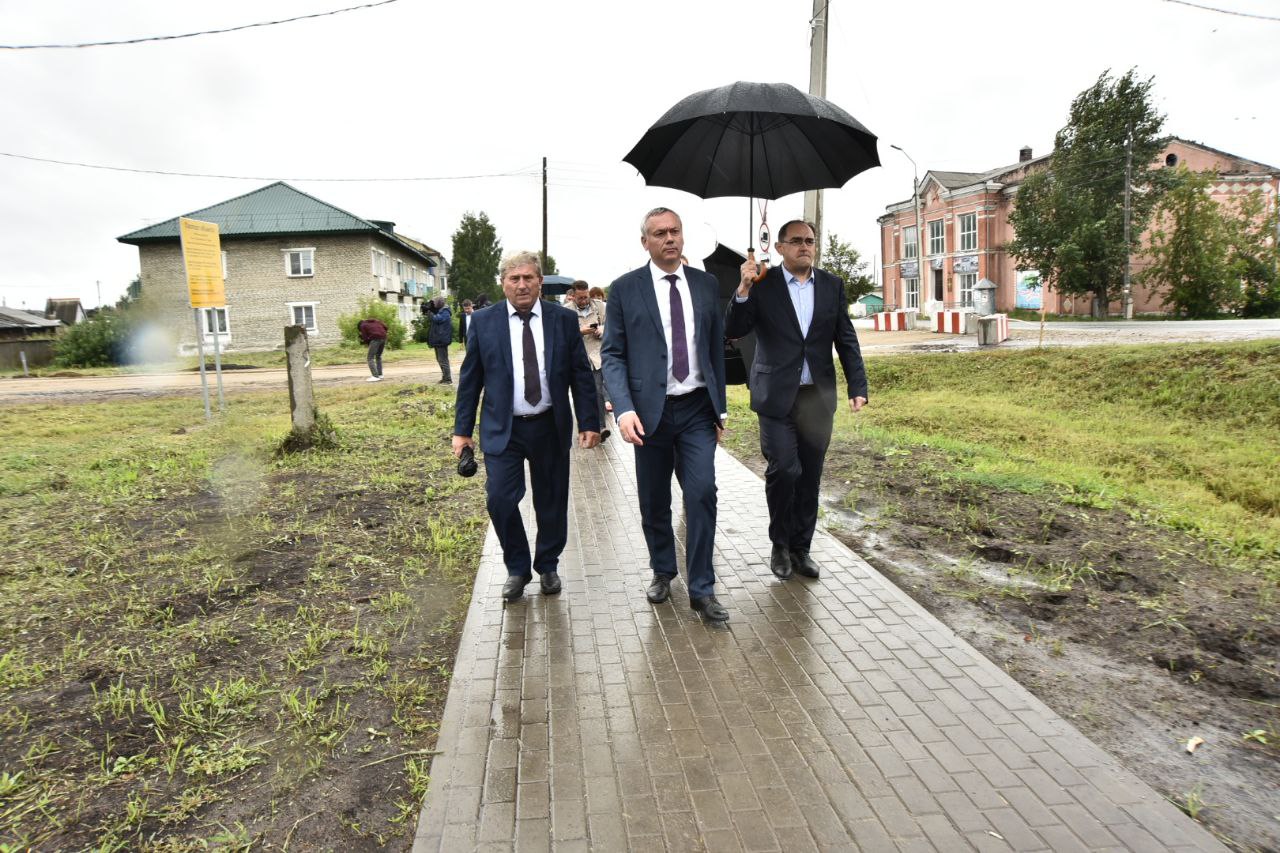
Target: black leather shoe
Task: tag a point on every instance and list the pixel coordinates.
(803, 564)
(659, 589)
(712, 610)
(514, 587)
(550, 583)
(780, 562)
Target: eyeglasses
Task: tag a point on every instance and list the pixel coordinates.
(801, 241)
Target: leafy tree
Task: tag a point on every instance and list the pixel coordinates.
(132, 294)
(1069, 220)
(549, 265)
(100, 341)
(1191, 251)
(845, 262)
(477, 252)
(368, 307)
(1256, 256)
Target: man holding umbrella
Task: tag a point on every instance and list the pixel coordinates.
(663, 361)
(799, 314)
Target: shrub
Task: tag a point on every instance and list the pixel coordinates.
(100, 341)
(421, 328)
(371, 307)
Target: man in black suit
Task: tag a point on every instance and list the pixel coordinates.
(526, 355)
(663, 362)
(799, 314)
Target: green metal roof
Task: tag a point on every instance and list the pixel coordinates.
(275, 209)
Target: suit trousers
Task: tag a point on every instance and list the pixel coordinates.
(795, 448)
(683, 443)
(598, 375)
(536, 441)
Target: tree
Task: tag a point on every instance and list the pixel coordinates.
(1191, 251)
(132, 294)
(477, 252)
(102, 340)
(1069, 220)
(549, 265)
(1256, 255)
(845, 262)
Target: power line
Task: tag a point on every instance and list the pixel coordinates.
(1224, 11)
(517, 173)
(193, 35)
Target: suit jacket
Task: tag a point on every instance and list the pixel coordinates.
(781, 350)
(634, 352)
(488, 366)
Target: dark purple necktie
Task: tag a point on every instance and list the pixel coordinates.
(679, 344)
(532, 382)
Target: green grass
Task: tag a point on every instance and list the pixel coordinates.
(198, 633)
(1187, 435)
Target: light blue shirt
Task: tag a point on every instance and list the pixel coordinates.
(801, 293)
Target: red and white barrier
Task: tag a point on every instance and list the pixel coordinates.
(992, 329)
(893, 321)
(950, 322)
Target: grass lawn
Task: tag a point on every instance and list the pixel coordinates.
(204, 642)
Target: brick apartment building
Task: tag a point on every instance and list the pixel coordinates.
(965, 220)
(287, 258)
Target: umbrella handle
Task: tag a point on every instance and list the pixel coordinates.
(762, 267)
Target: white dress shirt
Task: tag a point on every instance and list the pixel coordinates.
(662, 289)
(520, 406)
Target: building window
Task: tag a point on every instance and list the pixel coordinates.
(224, 264)
(381, 268)
(1171, 160)
(968, 232)
(937, 242)
(215, 322)
(304, 314)
(967, 281)
(299, 262)
(913, 293)
(910, 246)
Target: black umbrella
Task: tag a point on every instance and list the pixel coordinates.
(761, 140)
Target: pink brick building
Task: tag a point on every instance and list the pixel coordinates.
(965, 221)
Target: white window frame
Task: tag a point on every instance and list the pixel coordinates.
(938, 244)
(910, 243)
(224, 264)
(206, 324)
(293, 318)
(968, 237)
(911, 289)
(308, 269)
(380, 262)
(966, 282)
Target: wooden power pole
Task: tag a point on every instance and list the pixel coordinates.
(544, 214)
(817, 86)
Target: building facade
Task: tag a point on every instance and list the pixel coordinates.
(287, 259)
(964, 222)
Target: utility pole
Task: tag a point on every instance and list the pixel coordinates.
(544, 213)
(915, 199)
(817, 86)
(99, 284)
(1128, 170)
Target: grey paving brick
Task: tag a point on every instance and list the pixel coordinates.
(830, 715)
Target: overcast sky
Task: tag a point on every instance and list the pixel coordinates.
(420, 88)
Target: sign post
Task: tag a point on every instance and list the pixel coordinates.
(202, 257)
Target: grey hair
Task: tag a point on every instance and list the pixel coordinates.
(657, 211)
(520, 259)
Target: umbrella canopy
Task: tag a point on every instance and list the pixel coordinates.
(556, 285)
(761, 140)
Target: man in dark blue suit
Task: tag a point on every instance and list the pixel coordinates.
(663, 361)
(526, 355)
(799, 315)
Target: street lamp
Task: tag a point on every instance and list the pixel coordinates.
(915, 197)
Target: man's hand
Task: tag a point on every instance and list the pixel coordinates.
(586, 330)
(856, 404)
(588, 439)
(747, 277)
(461, 441)
(719, 434)
(598, 332)
(632, 429)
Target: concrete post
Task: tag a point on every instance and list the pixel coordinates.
(302, 399)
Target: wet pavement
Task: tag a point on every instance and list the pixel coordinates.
(833, 714)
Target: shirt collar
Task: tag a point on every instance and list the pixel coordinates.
(791, 278)
(659, 274)
(536, 310)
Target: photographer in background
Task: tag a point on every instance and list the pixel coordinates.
(440, 335)
(591, 324)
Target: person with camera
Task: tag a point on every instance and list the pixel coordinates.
(526, 355)
(440, 335)
(591, 323)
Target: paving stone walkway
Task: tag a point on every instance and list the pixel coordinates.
(833, 714)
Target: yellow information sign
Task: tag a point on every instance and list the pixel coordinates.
(202, 254)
